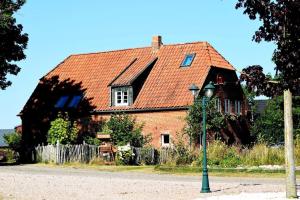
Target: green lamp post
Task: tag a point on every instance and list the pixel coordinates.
(208, 93)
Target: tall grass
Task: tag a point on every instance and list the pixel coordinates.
(261, 154)
(221, 155)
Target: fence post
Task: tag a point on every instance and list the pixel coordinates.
(57, 152)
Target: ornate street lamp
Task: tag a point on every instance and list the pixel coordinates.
(208, 93)
(195, 90)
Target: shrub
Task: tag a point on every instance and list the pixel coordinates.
(91, 140)
(124, 130)
(62, 130)
(183, 155)
(13, 140)
(149, 156)
(124, 157)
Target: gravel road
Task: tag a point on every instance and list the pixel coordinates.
(31, 182)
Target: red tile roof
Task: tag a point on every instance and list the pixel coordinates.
(166, 86)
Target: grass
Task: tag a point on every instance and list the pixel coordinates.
(178, 170)
(224, 172)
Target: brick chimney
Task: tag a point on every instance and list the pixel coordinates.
(156, 43)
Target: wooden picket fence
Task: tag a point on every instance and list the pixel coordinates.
(84, 153)
(61, 154)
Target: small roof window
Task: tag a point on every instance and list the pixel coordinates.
(188, 59)
(75, 101)
(61, 102)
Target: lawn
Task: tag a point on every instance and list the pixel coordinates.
(177, 170)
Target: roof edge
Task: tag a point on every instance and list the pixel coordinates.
(142, 110)
(122, 72)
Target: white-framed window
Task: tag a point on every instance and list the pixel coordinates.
(227, 107)
(165, 140)
(237, 107)
(121, 97)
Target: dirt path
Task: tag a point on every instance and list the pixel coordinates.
(36, 183)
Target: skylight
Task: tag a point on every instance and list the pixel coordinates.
(75, 101)
(61, 102)
(188, 59)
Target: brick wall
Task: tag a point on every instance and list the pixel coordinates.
(158, 123)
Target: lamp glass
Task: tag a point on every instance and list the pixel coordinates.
(209, 93)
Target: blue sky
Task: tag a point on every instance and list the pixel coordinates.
(59, 28)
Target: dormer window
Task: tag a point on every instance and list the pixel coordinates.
(121, 96)
(188, 59)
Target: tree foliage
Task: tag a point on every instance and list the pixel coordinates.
(215, 120)
(13, 140)
(269, 127)
(62, 130)
(281, 25)
(12, 40)
(124, 130)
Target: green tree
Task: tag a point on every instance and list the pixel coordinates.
(12, 40)
(281, 25)
(125, 130)
(215, 120)
(13, 140)
(62, 130)
(269, 127)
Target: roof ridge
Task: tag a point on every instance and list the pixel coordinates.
(133, 48)
(208, 53)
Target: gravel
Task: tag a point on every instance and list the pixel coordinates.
(37, 183)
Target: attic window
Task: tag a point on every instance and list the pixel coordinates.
(75, 101)
(121, 97)
(61, 102)
(188, 59)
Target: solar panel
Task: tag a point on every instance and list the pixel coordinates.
(75, 101)
(61, 102)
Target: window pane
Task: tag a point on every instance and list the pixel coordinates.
(75, 101)
(61, 102)
(188, 60)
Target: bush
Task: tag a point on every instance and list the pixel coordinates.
(149, 156)
(124, 157)
(13, 140)
(183, 155)
(62, 130)
(124, 130)
(91, 140)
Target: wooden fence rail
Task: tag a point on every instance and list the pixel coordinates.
(84, 153)
(61, 154)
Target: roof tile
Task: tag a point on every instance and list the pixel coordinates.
(166, 86)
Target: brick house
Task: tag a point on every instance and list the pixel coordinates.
(150, 83)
